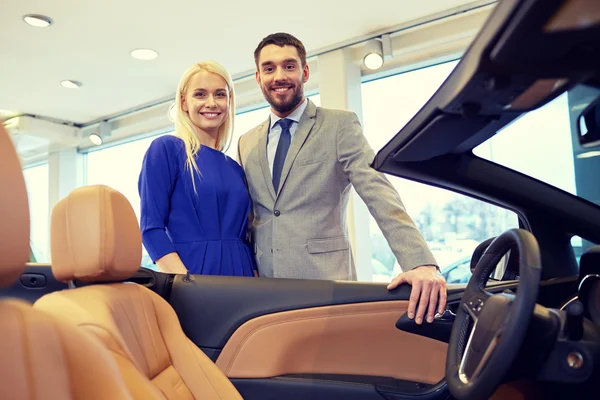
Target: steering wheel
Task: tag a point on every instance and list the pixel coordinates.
(477, 363)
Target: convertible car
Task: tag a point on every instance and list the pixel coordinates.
(530, 331)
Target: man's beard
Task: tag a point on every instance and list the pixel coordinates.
(285, 106)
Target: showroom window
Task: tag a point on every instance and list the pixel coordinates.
(452, 224)
(119, 167)
(37, 180)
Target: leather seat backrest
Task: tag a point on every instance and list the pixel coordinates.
(41, 357)
(95, 237)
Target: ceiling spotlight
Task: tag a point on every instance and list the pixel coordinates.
(376, 51)
(69, 84)
(96, 139)
(144, 54)
(39, 21)
(373, 58)
(104, 131)
(373, 61)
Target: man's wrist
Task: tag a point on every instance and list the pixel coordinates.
(429, 266)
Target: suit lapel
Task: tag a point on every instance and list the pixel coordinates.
(262, 155)
(307, 121)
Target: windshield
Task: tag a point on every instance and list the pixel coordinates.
(544, 145)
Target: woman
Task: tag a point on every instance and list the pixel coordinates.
(194, 201)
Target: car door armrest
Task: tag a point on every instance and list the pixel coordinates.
(439, 329)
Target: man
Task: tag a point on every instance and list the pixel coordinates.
(300, 164)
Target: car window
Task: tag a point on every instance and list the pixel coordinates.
(458, 273)
(548, 149)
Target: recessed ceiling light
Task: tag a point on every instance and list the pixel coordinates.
(144, 54)
(71, 84)
(39, 21)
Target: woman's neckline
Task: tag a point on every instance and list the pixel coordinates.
(209, 148)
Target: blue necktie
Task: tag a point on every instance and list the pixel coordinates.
(282, 148)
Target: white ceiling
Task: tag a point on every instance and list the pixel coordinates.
(90, 41)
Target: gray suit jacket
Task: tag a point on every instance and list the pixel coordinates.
(301, 232)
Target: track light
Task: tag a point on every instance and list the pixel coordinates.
(376, 51)
(97, 137)
(373, 58)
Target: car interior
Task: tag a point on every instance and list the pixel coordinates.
(526, 325)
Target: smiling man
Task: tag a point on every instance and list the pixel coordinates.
(299, 165)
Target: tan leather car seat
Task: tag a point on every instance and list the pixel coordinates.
(42, 357)
(95, 237)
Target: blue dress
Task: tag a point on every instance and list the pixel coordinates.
(207, 228)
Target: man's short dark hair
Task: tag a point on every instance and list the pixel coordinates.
(281, 39)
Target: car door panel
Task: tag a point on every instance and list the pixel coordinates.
(349, 339)
(268, 335)
(297, 338)
(212, 308)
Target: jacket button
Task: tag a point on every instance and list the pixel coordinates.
(277, 213)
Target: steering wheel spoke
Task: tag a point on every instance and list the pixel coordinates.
(473, 361)
(490, 313)
(475, 304)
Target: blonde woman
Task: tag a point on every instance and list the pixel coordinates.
(194, 201)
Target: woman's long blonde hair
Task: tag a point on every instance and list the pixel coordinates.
(185, 129)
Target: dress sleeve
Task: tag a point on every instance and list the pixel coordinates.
(155, 186)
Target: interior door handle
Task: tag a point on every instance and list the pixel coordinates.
(440, 329)
(447, 315)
